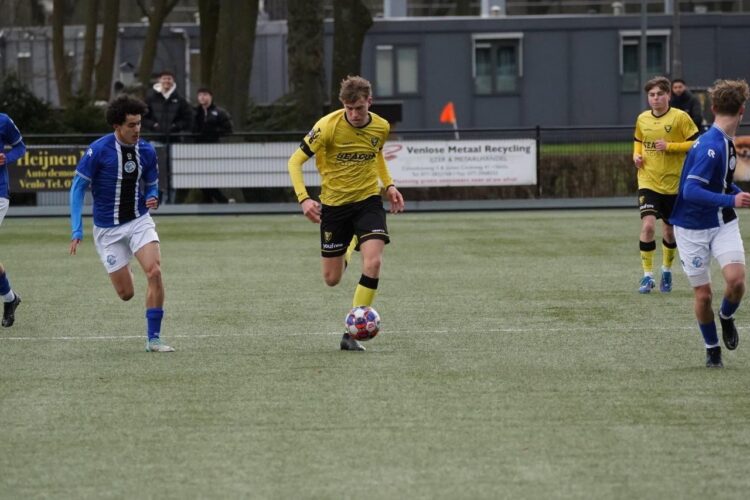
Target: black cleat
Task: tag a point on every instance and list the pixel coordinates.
(713, 357)
(9, 311)
(350, 344)
(729, 333)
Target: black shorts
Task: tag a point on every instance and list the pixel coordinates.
(338, 224)
(656, 204)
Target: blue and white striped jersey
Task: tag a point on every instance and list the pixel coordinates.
(9, 136)
(120, 175)
(706, 195)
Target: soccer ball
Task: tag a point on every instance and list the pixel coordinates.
(362, 323)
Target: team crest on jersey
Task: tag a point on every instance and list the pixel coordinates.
(668, 128)
(697, 262)
(641, 200)
(90, 152)
(732, 162)
(313, 135)
(111, 260)
(374, 141)
(327, 235)
(129, 166)
(712, 153)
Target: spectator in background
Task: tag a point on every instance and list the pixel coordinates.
(9, 136)
(210, 122)
(683, 99)
(168, 112)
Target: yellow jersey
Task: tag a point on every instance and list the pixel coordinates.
(349, 159)
(661, 169)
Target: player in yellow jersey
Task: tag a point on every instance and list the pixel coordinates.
(348, 149)
(663, 135)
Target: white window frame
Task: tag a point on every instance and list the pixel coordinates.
(667, 34)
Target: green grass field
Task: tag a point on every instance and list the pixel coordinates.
(516, 360)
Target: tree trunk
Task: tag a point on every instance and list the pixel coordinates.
(351, 20)
(305, 52)
(105, 66)
(209, 15)
(233, 61)
(89, 47)
(62, 72)
(159, 11)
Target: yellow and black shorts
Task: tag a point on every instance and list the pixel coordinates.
(365, 219)
(657, 204)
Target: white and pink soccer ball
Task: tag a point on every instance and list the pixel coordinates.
(362, 323)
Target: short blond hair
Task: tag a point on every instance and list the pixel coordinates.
(728, 96)
(353, 88)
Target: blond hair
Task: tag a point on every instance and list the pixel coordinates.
(353, 88)
(728, 96)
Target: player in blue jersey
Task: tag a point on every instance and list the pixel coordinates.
(9, 136)
(705, 220)
(122, 170)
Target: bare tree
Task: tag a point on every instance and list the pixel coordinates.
(89, 46)
(209, 16)
(305, 51)
(351, 20)
(234, 56)
(156, 15)
(106, 63)
(59, 57)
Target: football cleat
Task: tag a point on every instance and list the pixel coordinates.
(713, 357)
(155, 345)
(665, 284)
(729, 333)
(647, 284)
(9, 311)
(350, 344)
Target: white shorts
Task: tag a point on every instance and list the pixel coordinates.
(696, 246)
(4, 204)
(116, 245)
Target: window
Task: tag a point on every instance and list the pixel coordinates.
(396, 70)
(24, 68)
(497, 63)
(657, 57)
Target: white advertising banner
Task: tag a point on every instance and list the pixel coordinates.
(506, 162)
(491, 162)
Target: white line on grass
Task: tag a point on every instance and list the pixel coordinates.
(405, 332)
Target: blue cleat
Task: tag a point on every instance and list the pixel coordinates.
(665, 284)
(647, 284)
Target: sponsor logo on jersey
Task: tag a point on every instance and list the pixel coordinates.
(129, 166)
(313, 135)
(712, 153)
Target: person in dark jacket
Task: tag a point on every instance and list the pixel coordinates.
(683, 99)
(168, 112)
(210, 122)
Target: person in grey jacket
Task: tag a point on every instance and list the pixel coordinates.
(683, 99)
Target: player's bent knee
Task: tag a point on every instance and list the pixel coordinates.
(331, 280)
(126, 295)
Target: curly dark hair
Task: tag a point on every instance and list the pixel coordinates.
(124, 105)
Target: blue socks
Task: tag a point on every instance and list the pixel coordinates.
(153, 321)
(4, 284)
(709, 334)
(726, 311)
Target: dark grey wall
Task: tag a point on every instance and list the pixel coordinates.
(571, 64)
